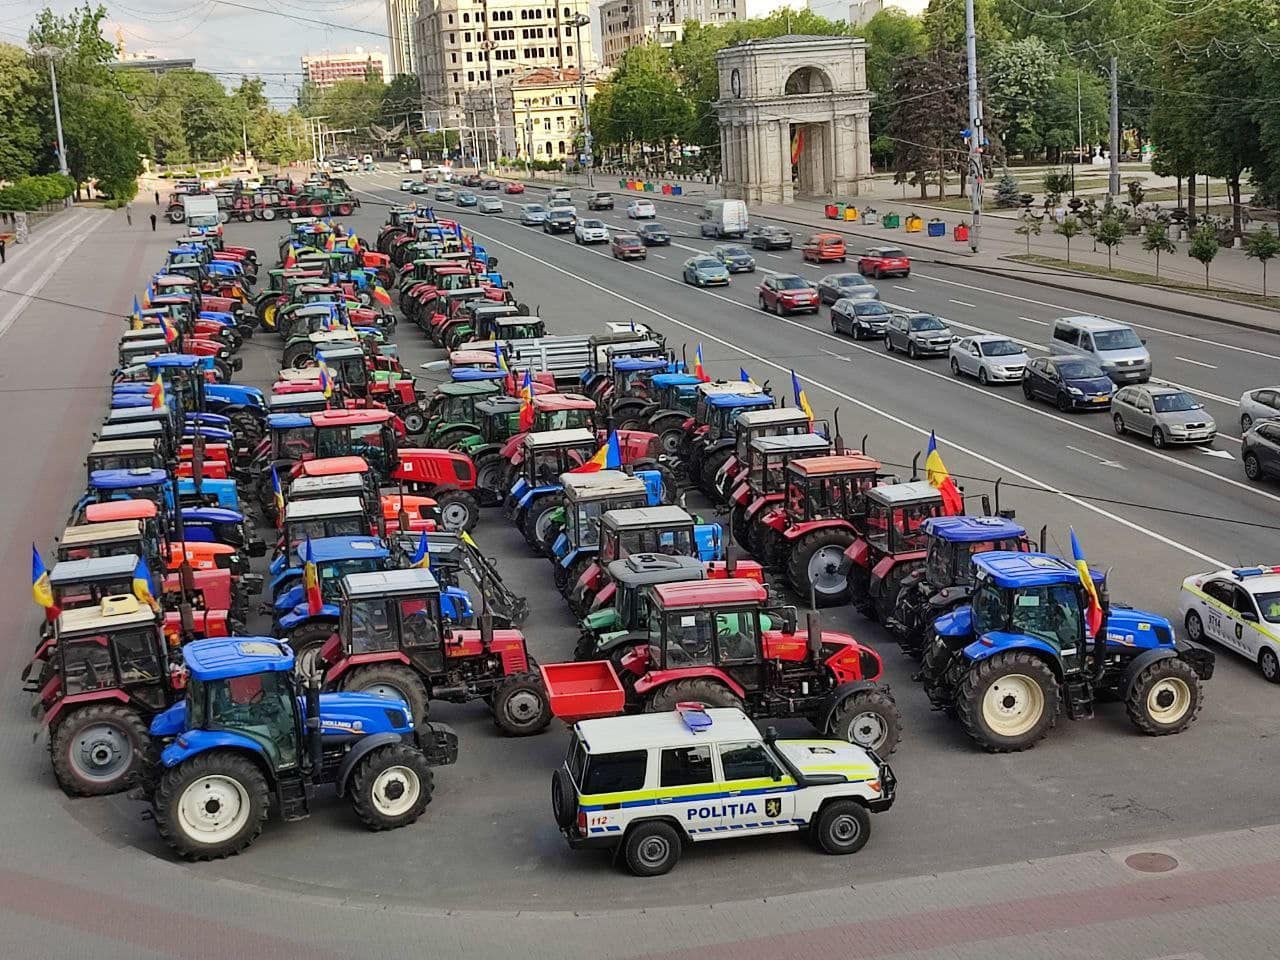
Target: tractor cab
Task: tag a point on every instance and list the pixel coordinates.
(143, 483)
(563, 411)
(291, 436)
(549, 453)
(753, 424)
(587, 497)
(633, 378)
(335, 558)
(709, 444)
(723, 411)
(111, 538)
(451, 411)
(389, 612)
(349, 365)
(604, 349)
(762, 481)
(894, 543)
(134, 350)
(322, 517)
(86, 583)
(498, 420)
(297, 402)
(370, 434)
(610, 631)
(504, 322)
(126, 455)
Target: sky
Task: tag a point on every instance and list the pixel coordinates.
(230, 40)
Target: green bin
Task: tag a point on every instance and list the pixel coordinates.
(891, 221)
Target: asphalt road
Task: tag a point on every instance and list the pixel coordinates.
(488, 841)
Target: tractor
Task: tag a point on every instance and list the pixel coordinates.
(674, 397)
(553, 411)
(946, 579)
(496, 322)
(535, 491)
(603, 349)
(761, 484)
(1021, 652)
(251, 737)
(451, 412)
(575, 535)
(710, 436)
(452, 556)
(392, 640)
(767, 422)
(892, 545)
(630, 392)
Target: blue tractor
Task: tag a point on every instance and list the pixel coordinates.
(249, 737)
(1021, 651)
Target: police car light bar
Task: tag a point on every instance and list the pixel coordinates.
(694, 716)
(1241, 572)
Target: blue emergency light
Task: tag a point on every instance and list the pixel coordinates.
(1241, 572)
(694, 716)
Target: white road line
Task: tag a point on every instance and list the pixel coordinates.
(906, 289)
(75, 227)
(661, 256)
(1195, 362)
(1043, 323)
(964, 303)
(774, 255)
(907, 425)
(838, 356)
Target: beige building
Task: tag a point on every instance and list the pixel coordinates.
(539, 112)
(459, 42)
(858, 12)
(323, 70)
(627, 23)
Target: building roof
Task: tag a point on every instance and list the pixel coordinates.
(547, 77)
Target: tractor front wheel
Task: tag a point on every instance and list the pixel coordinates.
(710, 467)
(1008, 702)
(306, 641)
(391, 787)
(817, 564)
(100, 749)
(211, 806)
(489, 472)
(537, 521)
(521, 706)
(391, 680)
(871, 719)
(414, 421)
(1164, 698)
(709, 693)
(459, 510)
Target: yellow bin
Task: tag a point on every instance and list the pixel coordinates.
(915, 224)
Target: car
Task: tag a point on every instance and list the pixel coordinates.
(420, 186)
(787, 293)
(990, 358)
(846, 286)
(1238, 608)
(1070, 383)
(1164, 414)
(771, 238)
(1115, 347)
(560, 193)
(466, 198)
(444, 194)
(600, 201)
(559, 220)
(490, 184)
(1261, 404)
(647, 785)
(562, 203)
(1260, 450)
(533, 214)
(513, 188)
(641, 210)
(407, 183)
(627, 246)
(884, 262)
(654, 235)
(859, 318)
(824, 248)
(472, 180)
(736, 258)
(704, 270)
(919, 334)
(489, 205)
(589, 230)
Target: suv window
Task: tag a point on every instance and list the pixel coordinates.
(1243, 603)
(615, 772)
(747, 761)
(1268, 398)
(1064, 334)
(1222, 592)
(683, 766)
(1269, 431)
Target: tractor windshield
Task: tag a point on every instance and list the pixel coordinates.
(546, 465)
(896, 529)
(636, 383)
(260, 706)
(353, 525)
(293, 443)
(674, 543)
(522, 331)
(86, 665)
(331, 573)
(584, 524)
(950, 563)
(1051, 614)
(567, 419)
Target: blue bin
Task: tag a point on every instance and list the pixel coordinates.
(676, 190)
(937, 228)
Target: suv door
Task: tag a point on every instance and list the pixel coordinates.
(1221, 599)
(748, 772)
(1267, 448)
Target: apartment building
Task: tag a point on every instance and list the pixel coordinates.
(627, 23)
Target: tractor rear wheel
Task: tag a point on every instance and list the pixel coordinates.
(817, 564)
(391, 786)
(391, 680)
(414, 421)
(100, 749)
(575, 572)
(709, 693)
(842, 827)
(521, 706)
(489, 472)
(247, 427)
(454, 435)
(1008, 702)
(738, 524)
(459, 510)
(1165, 698)
(871, 719)
(211, 806)
(669, 439)
(711, 465)
(306, 641)
(537, 520)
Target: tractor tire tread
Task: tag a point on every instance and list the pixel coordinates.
(361, 786)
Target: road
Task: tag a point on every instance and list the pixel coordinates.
(488, 843)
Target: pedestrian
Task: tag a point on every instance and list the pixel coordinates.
(2, 253)
(153, 223)
(128, 211)
(157, 198)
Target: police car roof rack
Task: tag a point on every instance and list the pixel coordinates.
(694, 716)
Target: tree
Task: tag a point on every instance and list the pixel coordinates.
(1067, 229)
(1007, 192)
(1023, 69)
(1030, 225)
(1204, 247)
(1155, 239)
(1262, 246)
(402, 99)
(641, 103)
(20, 146)
(1110, 233)
(1057, 120)
(1056, 183)
(891, 35)
(928, 112)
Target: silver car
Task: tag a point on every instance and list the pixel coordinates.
(990, 358)
(533, 215)
(490, 205)
(919, 334)
(1165, 414)
(1261, 404)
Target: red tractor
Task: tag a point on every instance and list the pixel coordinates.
(769, 422)
(761, 483)
(893, 545)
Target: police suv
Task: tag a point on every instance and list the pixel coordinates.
(1238, 608)
(643, 785)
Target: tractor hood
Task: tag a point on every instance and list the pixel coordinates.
(1137, 629)
(344, 714)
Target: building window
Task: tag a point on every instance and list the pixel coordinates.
(451, 19)
(524, 14)
(567, 14)
(560, 123)
(468, 56)
(471, 76)
(549, 148)
(453, 38)
(453, 58)
(568, 51)
(466, 18)
(455, 78)
(562, 146)
(466, 38)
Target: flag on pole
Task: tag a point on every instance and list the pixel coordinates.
(526, 402)
(156, 393)
(1093, 614)
(326, 380)
(381, 295)
(277, 496)
(608, 457)
(500, 358)
(142, 588)
(311, 580)
(41, 589)
(940, 480)
(743, 375)
(329, 243)
(168, 329)
(802, 399)
(698, 370)
(146, 296)
(135, 318)
(290, 259)
(422, 556)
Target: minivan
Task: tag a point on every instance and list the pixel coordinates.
(724, 218)
(1115, 347)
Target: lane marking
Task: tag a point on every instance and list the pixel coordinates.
(964, 303)
(1195, 362)
(1211, 452)
(774, 255)
(64, 254)
(1043, 323)
(907, 289)
(1101, 460)
(838, 356)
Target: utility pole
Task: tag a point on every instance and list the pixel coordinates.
(975, 129)
(1114, 185)
(528, 134)
(52, 53)
(1079, 135)
(244, 132)
(578, 22)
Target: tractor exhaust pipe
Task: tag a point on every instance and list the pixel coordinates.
(839, 441)
(684, 359)
(863, 448)
(730, 558)
(915, 464)
(315, 742)
(813, 623)
(1044, 536)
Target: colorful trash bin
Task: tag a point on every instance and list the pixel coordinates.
(937, 228)
(666, 189)
(850, 212)
(832, 211)
(961, 233)
(891, 221)
(915, 224)
(676, 190)
(870, 217)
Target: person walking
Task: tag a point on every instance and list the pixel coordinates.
(157, 198)
(2, 253)
(153, 223)
(128, 211)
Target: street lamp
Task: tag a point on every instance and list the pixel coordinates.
(579, 21)
(53, 53)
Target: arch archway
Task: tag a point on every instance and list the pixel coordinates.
(806, 80)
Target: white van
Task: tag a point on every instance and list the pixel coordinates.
(1116, 348)
(415, 165)
(724, 218)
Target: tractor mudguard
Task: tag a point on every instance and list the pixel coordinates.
(800, 529)
(607, 643)
(992, 643)
(358, 752)
(559, 548)
(77, 699)
(656, 678)
(839, 695)
(531, 492)
(299, 615)
(605, 596)
(438, 743)
(567, 560)
(193, 742)
(708, 538)
(1140, 663)
(880, 573)
(170, 722)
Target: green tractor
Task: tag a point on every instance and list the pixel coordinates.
(451, 411)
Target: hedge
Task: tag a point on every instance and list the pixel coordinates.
(31, 193)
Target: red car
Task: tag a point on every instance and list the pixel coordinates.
(787, 293)
(627, 246)
(514, 187)
(884, 262)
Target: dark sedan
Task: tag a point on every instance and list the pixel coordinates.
(1260, 450)
(860, 318)
(735, 258)
(837, 286)
(559, 220)
(1070, 383)
(654, 235)
(771, 238)
(627, 246)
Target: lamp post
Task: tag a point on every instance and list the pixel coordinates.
(579, 21)
(52, 53)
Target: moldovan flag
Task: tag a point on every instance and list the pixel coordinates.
(1092, 615)
(422, 556)
(802, 399)
(698, 370)
(501, 360)
(168, 329)
(326, 380)
(797, 146)
(146, 296)
(329, 244)
(41, 589)
(940, 480)
(311, 580)
(135, 318)
(156, 393)
(290, 259)
(608, 457)
(142, 585)
(277, 496)
(743, 375)
(381, 295)
(526, 402)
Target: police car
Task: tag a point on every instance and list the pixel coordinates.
(1238, 608)
(644, 785)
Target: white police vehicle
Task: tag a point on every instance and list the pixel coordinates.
(1238, 608)
(644, 785)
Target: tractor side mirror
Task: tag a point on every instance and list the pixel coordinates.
(790, 620)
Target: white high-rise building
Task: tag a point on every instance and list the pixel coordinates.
(400, 17)
(626, 23)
